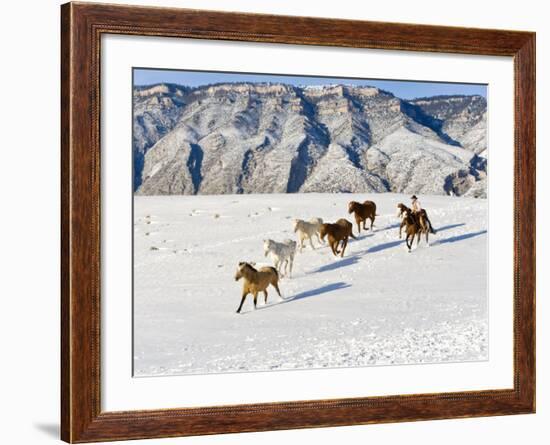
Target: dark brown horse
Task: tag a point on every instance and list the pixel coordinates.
(413, 227)
(364, 211)
(421, 218)
(402, 209)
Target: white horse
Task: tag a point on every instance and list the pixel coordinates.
(306, 230)
(282, 254)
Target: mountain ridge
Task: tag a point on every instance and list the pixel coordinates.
(281, 138)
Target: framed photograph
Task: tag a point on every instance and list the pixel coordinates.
(275, 222)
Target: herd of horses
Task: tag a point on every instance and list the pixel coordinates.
(256, 281)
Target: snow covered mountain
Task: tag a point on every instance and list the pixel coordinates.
(279, 138)
(463, 118)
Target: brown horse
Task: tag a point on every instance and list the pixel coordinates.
(413, 228)
(421, 218)
(341, 230)
(401, 210)
(364, 211)
(256, 281)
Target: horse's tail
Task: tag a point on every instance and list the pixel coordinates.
(352, 235)
(423, 215)
(275, 272)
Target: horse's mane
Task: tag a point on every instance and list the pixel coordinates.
(247, 266)
(403, 208)
(409, 216)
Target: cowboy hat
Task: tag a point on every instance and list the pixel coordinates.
(414, 197)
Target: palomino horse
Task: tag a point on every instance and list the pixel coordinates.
(307, 230)
(256, 281)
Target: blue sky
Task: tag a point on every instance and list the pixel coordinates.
(402, 89)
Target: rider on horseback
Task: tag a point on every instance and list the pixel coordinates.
(419, 211)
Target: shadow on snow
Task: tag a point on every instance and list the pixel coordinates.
(396, 243)
(346, 261)
(385, 246)
(450, 226)
(306, 294)
(391, 226)
(454, 239)
(318, 291)
(361, 236)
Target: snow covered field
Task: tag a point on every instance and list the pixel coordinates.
(378, 305)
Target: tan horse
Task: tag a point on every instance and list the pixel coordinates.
(256, 281)
(341, 230)
(364, 211)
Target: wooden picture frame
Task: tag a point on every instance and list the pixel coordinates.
(82, 26)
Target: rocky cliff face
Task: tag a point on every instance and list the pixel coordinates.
(156, 110)
(277, 138)
(463, 118)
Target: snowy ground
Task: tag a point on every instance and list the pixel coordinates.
(378, 305)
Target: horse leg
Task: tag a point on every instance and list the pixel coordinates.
(407, 241)
(275, 284)
(333, 247)
(337, 246)
(265, 294)
(401, 228)
(372, 222)
(291, 263)
(418, 238)
(255, 299)
(358, 221)
(311, 242)
(242, 301)
(280, 268)
(344, 244)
